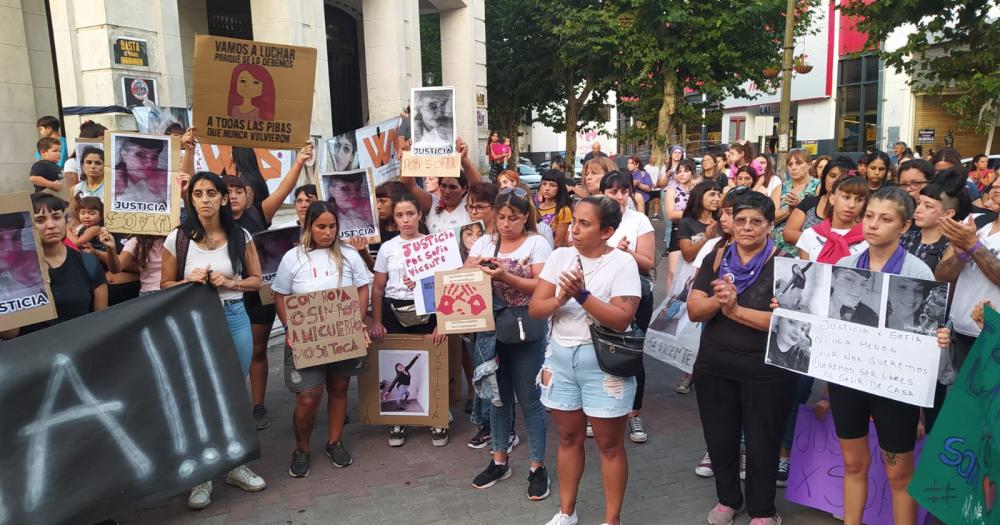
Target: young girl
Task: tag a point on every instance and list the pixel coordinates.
(553, 205)
(887, 216)
(87, 235)
(879, 171)
(320, 262)
(746, 177)
(840, 234)
(678, 192)
(220, 254)
(739, 154)
(769, 181)
(143, 253)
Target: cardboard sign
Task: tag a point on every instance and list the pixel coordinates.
(325, 327)
(377, 149)
(957, 479)
(405, 383)
(131, 52)
(867, 330)
(140, 193)
(671, 336)
(447, 166)
(146, 424)
(432, 121)
(463, 301)
(153, 119)
(423, 296)
(432, 253)
(252, 94)
(816, 478)
(353, 193)
(25, 296)
(272, 245)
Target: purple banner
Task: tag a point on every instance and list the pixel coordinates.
(816, 478)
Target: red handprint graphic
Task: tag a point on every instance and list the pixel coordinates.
(461, 299)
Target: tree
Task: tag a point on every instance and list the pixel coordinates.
(950, 45)
(715, 48)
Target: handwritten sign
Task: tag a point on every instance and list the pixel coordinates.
(957, 481)
(25, 296)
(447, 166)
(252, 94)
(816, 478)
(325, 327)
(432, 253)
(671, 337)
(870, 331)
(140, 193)
(463, 301)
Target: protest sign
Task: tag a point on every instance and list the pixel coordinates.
(91, 429)
(957, 480)
(252, 94)
(140, 195)
(445, 166)
(866, 330)
(467, 235)
(153, 119)
(463, 301)
(325, 327)
(671, 336)
(405, 382)
(432, 253)
(342, 152)
(135, 91)
(271, 246)
(25, 297)
(432, 121)
(272, 163)
(816, 477)
(377, 149)
(423, 293)
(353, 194)
(423, 296)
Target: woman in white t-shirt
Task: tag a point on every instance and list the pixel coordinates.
(840, 234)
(513, 257)
(221, 254)
(594, 280)
(320, 262)
(635, 237)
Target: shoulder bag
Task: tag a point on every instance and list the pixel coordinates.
(513, 324)
(618, 353)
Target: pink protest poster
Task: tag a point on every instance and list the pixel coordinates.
(816, 478)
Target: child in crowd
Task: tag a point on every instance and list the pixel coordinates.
(88, 235)
(50, 127)
(508, 179)
(46, 175)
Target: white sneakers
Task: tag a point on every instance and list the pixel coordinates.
(562, 519)
(241, 476)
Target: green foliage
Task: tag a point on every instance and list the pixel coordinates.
(951, 46)
(430, 46)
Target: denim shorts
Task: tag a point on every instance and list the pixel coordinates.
(578, 382)
(302, 379)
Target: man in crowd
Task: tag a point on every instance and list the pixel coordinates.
(898, 149)
(595, 151)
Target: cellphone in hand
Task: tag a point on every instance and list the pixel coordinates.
(489, 264)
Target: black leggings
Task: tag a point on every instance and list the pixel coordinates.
(643, 315)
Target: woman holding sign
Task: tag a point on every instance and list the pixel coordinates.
(593, 280)
(735, 389)
(513, 257)
(886, 219)
(321, 262)
(210, 248)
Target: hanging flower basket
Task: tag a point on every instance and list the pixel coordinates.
(801, 66)
(771, 72)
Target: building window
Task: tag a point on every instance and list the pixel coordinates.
(737, 128)
(230, 19)
(857, 104)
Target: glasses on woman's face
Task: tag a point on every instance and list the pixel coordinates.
(477, 208)
(913, 184)
(519, 192)
(754, 222)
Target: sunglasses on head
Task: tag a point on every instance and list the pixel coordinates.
(519, 192)
(740, 190)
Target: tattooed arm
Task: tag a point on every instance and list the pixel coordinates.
(989, 264)
(616, 314)
(949, 267)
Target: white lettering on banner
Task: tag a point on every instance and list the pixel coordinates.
(23, 303)
(235, 448)
(38, 431)
(167, 398)
(199, 418)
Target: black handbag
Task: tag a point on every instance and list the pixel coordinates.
(514, 325)
(618, 353)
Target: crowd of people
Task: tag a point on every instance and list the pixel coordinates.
(568, 256)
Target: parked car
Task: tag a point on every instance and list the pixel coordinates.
(529, 176)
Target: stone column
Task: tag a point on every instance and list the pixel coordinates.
(463, 65)
(300, 23)
(391, 55)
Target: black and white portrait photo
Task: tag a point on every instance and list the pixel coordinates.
(854, 296)
(432, 116)
(342, 152)
(141, 173)
(790, 344)
(916, 305)
(404, 382)
(796, 283)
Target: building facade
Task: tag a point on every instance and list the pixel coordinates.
(66, 53)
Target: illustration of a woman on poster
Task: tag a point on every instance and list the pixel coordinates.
(251, 93)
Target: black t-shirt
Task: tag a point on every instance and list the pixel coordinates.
(47, 170)
(730, 349)
(72, 288)
(690, 227)
(808, 203)
(252, 220)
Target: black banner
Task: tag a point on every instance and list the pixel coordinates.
(135, 403)
(131, 52)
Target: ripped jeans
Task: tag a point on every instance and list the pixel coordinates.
(577, 382)
(485, 366)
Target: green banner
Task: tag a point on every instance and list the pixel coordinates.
(957, 477)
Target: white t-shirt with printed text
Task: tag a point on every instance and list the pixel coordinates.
(446, 220)
(391, 262)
